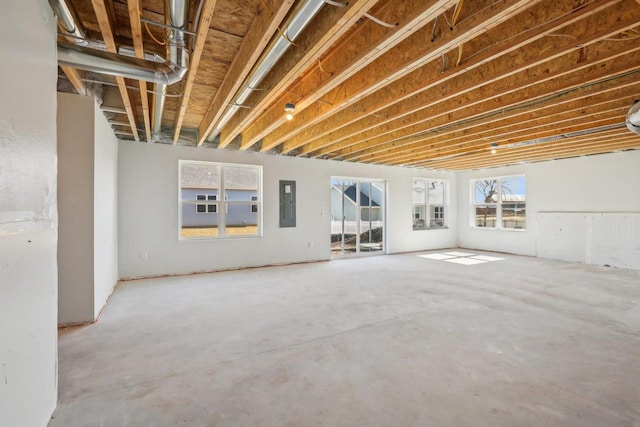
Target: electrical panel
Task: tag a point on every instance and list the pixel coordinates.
(287, 203)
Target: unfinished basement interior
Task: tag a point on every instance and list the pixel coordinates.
(320, 213)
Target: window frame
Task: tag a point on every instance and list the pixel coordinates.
(498, 204)
(217, 200)
(427, 205)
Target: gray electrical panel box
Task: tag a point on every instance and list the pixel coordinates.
(287, 203)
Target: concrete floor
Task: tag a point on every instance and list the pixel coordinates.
(381, 341)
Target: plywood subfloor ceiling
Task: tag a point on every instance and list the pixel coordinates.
(419, 83)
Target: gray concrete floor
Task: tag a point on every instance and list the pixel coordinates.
(381, 341)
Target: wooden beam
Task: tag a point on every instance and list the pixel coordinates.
(194, 62)
(106, 29)
(467, 119)
(514, 125)
(509, 36)
(517, 152)
(622, 144)
(263, 26)
(75, 77)
(553, 129)
(136, 33)
(383, 70)
(344, 64)
(328, 27)
(588, 144)
(529, 66)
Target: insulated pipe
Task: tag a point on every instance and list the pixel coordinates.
(119, 65)
(176, 16)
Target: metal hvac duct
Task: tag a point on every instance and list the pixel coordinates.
(91, 55)
(68, 18)
(633, 118)
(176, 16)
(113, 64)
(284, 39)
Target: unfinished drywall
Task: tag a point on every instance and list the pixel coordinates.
(87, 193)
(578, 192)
(105, 218)
(148, 211)
(75, 208)
(28, 214)
(600, 238)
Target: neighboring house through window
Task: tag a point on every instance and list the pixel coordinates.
(429, 200)
(219, 200)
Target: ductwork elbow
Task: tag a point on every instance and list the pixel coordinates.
(178, 70)
(633, 118)
(101, 62)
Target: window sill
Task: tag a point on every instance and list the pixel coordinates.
(517, 230)
(430, 229)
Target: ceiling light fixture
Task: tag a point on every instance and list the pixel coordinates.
(494, 146)
(289, 108)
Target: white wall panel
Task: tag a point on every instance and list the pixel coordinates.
(28, 214)
(148, 211)
(581, 209)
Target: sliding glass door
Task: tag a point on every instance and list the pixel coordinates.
(357, 216)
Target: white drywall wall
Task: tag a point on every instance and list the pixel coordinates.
(585, 185)
(148, 211)
(105, 201)
(87, 197)
(28, 214)
(75, 208)
(600, 238)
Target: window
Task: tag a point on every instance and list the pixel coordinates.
(204, 208)
(499, 203)
(219, 200)
(428, 204)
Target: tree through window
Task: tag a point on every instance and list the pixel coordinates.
(500, 202)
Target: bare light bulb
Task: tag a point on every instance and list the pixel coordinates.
(289, 108)
(493, 151)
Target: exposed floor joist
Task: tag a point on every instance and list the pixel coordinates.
(105, 24)
(379, 81)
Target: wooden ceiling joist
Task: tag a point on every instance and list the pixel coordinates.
(416, 83)
(502, 40)
(410, 53)
(194, 62)
(513, 123)
(535, 83)
(515, 72)
(136, 34)
(263, 26)
(327, 29)
(368, 42)
(105, 24)
(590, 144)
(75, 77)
(577, 125)
(463, 120)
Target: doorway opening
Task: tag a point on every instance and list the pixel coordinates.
(357, 216)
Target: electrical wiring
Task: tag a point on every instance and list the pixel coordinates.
(146, 26)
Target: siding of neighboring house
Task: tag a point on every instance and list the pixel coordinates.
(350, 204)
(237, 215)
